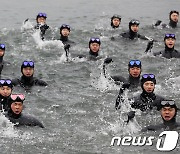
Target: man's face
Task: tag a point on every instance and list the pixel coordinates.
(135, 71)
(1, 52)
(5, 91)
(28, 71)
(65, 32)
(167, 113)
(94, 47)
(170, 42)
(17, 107)
(116, 22)
(135, 28)
(41, 20)
(174, 17)
(149, 86)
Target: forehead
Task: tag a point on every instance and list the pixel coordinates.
(148, 82)
(167, 108)
(94, 43)
(65, 29)
(168, 39)
(115, 18)
(41, 18)
(132, 68)
(28, 68)
(4, 87)
(134, 25)
(19, 103)
(174, 14)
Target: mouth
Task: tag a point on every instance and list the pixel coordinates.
(170, 45)
(167, 117)
(6, 95)
(17, 112)
(149, 90)
(28, 74)
(135, 75)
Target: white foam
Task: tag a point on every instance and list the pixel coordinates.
(6, 127)
(41, 43)
(99, 81)
(27, 25)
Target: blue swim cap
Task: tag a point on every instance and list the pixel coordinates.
(2, 46)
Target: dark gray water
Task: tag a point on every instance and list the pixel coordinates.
(77, 108)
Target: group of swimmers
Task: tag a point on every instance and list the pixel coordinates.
(148, 100)
(12, 104)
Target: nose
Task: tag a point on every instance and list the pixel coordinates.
(17, 106)
(149, 86)
(136, 71)
(28, 71)
(166, 112)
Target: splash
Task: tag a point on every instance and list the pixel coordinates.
(173, 84)
(102, 80)
(77, 59)
(65, 58)
(6, 127)
(27, 25)
(41, 43)
(121, 126)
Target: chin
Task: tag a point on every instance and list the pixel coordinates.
(167, 118)
(135, 76)
(150, 91)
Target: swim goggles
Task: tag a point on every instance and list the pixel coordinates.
(168, 102)
(170, 36)
(135, 22)
(42, 15)
(2, 46)
(134, 63)
(145, 76)
(28, 63)
(15, 97)
(93, 39)
(116, 16)
(65, 26)
(5, 82)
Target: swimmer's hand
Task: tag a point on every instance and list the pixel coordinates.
(67, 46)
(108, 60)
